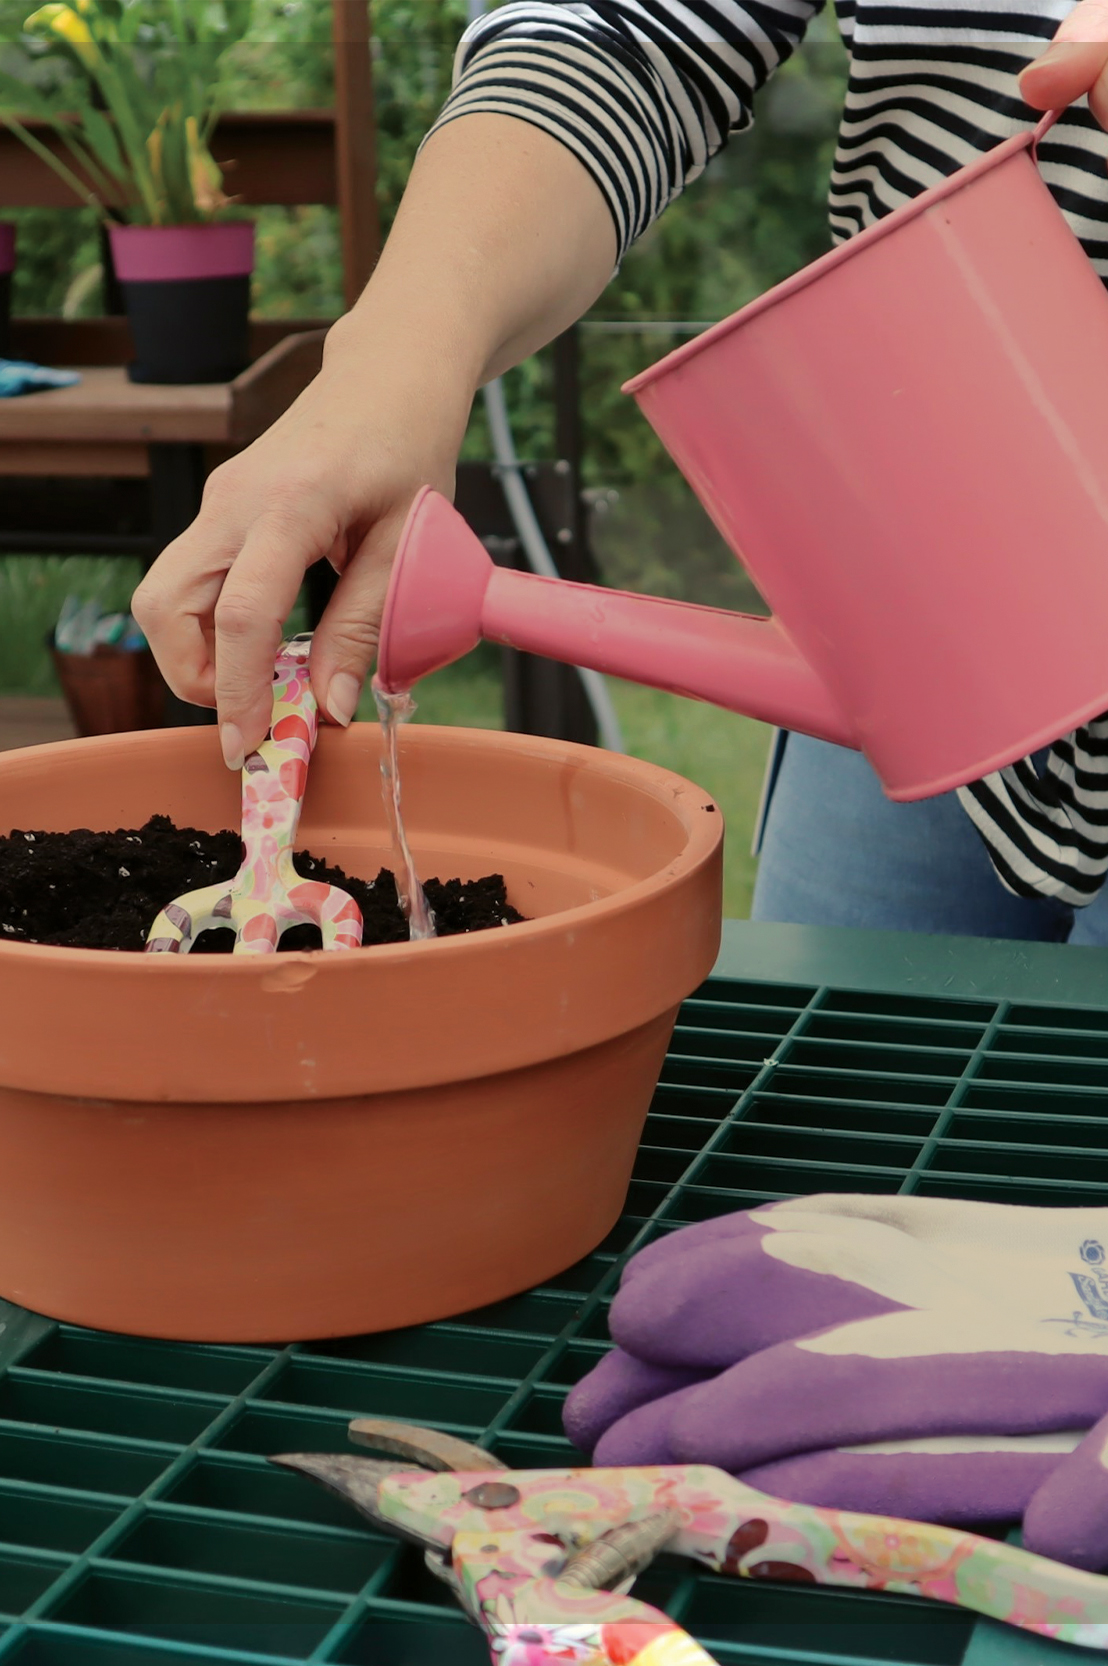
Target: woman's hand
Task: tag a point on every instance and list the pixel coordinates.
(331, 480)
(1075, 62)
(501, 241)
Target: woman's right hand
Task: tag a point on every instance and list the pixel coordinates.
(501, 241)
(331, 480)
(1075, 63)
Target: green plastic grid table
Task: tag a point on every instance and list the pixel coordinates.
(140, 1524)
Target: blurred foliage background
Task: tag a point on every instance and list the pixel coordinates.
(756, 215)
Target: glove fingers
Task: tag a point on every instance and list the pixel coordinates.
(725, 1299)
(1067, 1519)
(643, 1436)
(791, 1400)
(666, 1250)
(960, 1482)
(614, 1387)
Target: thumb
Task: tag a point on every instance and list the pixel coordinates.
(1073, 64)
(1067, 1519)
(345, 641)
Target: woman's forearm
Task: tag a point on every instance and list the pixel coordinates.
(501, 241)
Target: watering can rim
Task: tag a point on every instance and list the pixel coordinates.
(845, 251)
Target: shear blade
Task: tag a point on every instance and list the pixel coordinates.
(354, 1480)
(429, 1448)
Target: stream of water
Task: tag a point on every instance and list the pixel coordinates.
(393, 710)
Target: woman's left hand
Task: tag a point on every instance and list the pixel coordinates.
(1075, 62)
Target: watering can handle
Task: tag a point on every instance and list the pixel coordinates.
(1042, 128)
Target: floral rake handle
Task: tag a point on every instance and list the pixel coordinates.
(267, 895)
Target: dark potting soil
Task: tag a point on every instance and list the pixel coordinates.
(85, 890)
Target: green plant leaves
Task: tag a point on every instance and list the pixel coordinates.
(140, 104)
(102, 142)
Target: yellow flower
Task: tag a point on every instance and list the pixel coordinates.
(44, 17)
(64, 21)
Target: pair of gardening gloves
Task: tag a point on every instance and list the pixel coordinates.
(939, 1360)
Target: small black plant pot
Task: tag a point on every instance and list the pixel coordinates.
(187, 294)
(7, 267)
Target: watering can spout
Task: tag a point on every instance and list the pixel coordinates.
(446, 595)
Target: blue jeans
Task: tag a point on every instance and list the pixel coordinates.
(837, 852)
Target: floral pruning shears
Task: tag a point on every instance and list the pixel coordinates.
(267, 895)
(542, 1560)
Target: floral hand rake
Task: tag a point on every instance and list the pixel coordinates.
(267, 895)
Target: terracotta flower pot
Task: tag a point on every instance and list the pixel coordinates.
(239, 1149)
(187, 294)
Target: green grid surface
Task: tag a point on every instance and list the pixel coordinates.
(140, 1524)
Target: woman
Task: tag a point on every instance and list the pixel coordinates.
(570, 127)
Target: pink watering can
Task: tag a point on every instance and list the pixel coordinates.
(907, 445)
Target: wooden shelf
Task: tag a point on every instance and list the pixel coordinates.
(81, 341)
(104, 424)
(269, 156)
(108, 465)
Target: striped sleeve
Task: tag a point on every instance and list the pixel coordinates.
(1047, 834)
(644, 92)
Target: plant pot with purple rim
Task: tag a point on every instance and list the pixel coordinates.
(187, 293)
(7, 267)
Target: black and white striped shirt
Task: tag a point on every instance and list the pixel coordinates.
(645, 92)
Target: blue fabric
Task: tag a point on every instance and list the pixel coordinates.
(17, 376)
(837, 852)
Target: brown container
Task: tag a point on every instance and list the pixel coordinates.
(110, 691)
(248, 1149)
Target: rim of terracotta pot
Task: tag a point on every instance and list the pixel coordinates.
(115, 1017)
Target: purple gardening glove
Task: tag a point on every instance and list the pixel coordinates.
(961, 1480)
(619, 1385)
(1068, 1516)
(834, 1323)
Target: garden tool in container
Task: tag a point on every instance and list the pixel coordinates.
(267, 895)
(540, 1559)
(905, 444)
